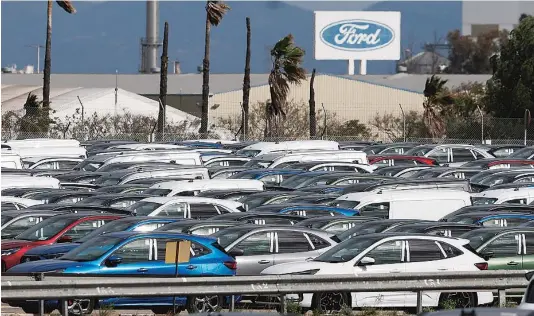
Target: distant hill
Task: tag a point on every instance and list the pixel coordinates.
(104, 36)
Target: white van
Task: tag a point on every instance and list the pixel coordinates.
(279, 160)
(48, 152)
(40, 142)
(11, 160)
(510, 196)
(403, 204)
(93, 163)
(263, 148)
(193, 187)
(19, 181)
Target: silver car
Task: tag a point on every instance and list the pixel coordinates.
(259, 247)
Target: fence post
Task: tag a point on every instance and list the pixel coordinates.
(283, 304)
(502, 297)
(419, 308)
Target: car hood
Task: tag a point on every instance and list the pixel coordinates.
(43, 266)
(8, 244)
(51, 249)
(300, 266)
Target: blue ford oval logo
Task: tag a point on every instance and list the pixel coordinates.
(357, 35)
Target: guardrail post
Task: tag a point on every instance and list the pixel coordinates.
(283, 304)
(64, 307)
(419, 302)
(232, 303)
(502, 297)
(40, 277)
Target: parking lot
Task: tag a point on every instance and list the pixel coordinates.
(212, 208)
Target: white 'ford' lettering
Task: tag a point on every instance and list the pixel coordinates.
(348, 33)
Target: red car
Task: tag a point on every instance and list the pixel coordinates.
(400, 160)
(57, 229)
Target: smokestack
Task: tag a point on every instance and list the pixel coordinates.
(177, 69)
(152, 39)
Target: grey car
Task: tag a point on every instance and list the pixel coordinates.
(259, 247)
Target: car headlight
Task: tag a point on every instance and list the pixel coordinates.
(7, 252)
(307, 272)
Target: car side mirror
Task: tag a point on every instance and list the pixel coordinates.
(487, 255)
(366, 261)
(64, 239)
(113, 261)
(236, 252)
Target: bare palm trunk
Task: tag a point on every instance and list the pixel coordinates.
(163, 83)
(246, 83)
(313, 120)
(205, 81)
(47, 60)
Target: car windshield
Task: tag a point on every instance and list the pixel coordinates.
(258, 163)
(5, 218)
(348, 249)
(244, 175)
(88, 165)
(253, 202)
(524, 153)
(426, 174)
(93, 249)
(158, 192)
(142, 208)
(113, 226)
(46, 229)
(375, 149)
(94, 200)
(248, 152)
(364, 228)
(227, 236)
(464, 218)
(483, 200)
(419, 151)
(107, 181)
(344, 203)
(298, 180)
(478, 237)
(496, 179)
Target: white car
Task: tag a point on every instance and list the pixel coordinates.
(388, 253)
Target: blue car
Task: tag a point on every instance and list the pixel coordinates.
(310, 210)
(271, 177)
(134, 223)
(134, 253)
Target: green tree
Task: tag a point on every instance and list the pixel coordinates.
(286, 69)
(472, 56)
(215, 11)
(510, 91)
(436, 103)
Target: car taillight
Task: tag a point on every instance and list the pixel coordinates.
(232, 265)
(482, 265)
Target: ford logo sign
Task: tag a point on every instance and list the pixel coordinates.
(357, 35)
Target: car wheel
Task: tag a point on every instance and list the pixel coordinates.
(457, 300)
(33, 309)
(204, 303)
(79, 307)
(165, 310)
(331, 302)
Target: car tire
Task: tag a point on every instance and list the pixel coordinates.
(457, 300)
(166, 310)
(331, 302)
(34, 309)
(79, 307)
(204, 303)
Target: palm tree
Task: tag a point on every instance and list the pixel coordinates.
(286, 69)
(215, 11)
(69, 8)
(246, 83)
(437, 99)
(163, 82)
(313, 120)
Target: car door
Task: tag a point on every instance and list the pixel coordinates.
(425, 256)
(292, 246)
(504, 252)
(135, 258)
(193, 267)
(258, 250)
(390, 257)
(527, 243)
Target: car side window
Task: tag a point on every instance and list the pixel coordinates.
(441, 155)
(529, 243)
(389, 252)
(45, 165)
(135, 251)
(292, 241)
(256, 244)
(503, 246)
(196, 249)
(462, 155)
(376, 210)
(65, 164)
(84, 228)
(175, 209)
(318, 242)
(424, 250)
(450, 251)
(124, 203)
(340, 227)
(202, 210)
(517, 201)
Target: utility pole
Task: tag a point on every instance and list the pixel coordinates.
(38, 54)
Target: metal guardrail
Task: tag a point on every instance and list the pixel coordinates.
(90, 286)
